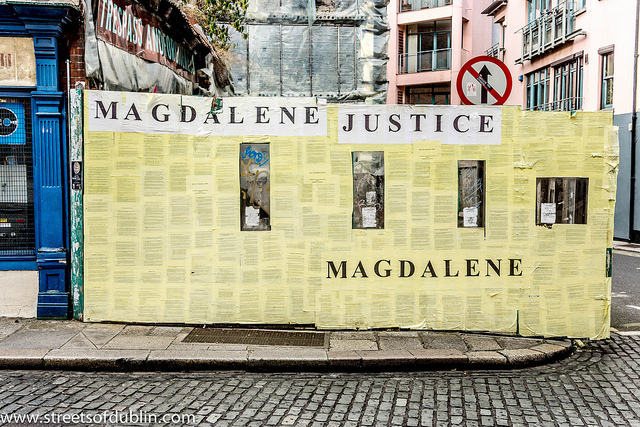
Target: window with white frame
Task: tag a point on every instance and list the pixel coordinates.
(537, 8)
(538, 89)
(567, 85)
(428, 47)
(433, 94)
(607, 80)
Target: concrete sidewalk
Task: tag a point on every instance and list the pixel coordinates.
(630, 248)
(72, 345)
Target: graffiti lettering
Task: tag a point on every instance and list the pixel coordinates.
(255, 155)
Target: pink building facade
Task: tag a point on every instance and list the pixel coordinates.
(563, 56)
(429, 42)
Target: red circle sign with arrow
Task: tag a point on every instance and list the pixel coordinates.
(484, 80)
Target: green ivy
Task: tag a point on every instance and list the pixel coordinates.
(215, 16)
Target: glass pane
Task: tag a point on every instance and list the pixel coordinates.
(608, 93)
(531, 10)
(444, 62)
(442, 41)
(426, 42)
(426, 61)
(444, 25)
(425, 27)
(608, 65)
(441, 99)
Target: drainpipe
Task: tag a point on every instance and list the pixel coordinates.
(634, 116)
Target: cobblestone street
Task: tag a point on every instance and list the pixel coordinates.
(598, 385)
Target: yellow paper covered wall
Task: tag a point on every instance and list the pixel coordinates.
(163, 239)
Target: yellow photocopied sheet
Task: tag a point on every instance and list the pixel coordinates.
(292, 211)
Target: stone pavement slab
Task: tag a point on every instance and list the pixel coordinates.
(522, 356)
(139, 342)
(22, 358)
(400, 343)
(437, 357)
(48, 325)
(352, 335)
(37, 339)
(443, 340)
(481, 343)
(353, 345)
(197, 359)
(40, 344)
(514, 343)
(344, 360)
(79, 341)
(99, 337)
(288, 358)
(136, 330)
(548, 349)
(96, 359)
(484, 358)
(9, 326)
(386, 358)
(169, 331)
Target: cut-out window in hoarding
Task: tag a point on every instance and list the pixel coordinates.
(255, 186)
(368, 189)
(561, 200)
(471, 193)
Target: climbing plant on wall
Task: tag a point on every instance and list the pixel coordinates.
(215, 17)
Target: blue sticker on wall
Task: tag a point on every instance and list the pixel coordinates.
(12, 120)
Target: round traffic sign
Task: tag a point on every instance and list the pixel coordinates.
(484, 80)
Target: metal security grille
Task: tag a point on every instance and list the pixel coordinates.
(255, 337)
(17, 231)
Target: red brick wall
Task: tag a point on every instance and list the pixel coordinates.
(76, 59)
(72, 48)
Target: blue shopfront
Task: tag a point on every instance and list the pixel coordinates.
(34, 238)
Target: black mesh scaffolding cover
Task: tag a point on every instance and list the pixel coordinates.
(17, 232)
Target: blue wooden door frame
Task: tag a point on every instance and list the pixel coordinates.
(45, 26)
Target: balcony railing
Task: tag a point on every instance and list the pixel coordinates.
(566, 104)
(495, 51)
(409, 5)
(555, 27)
(429, 60)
